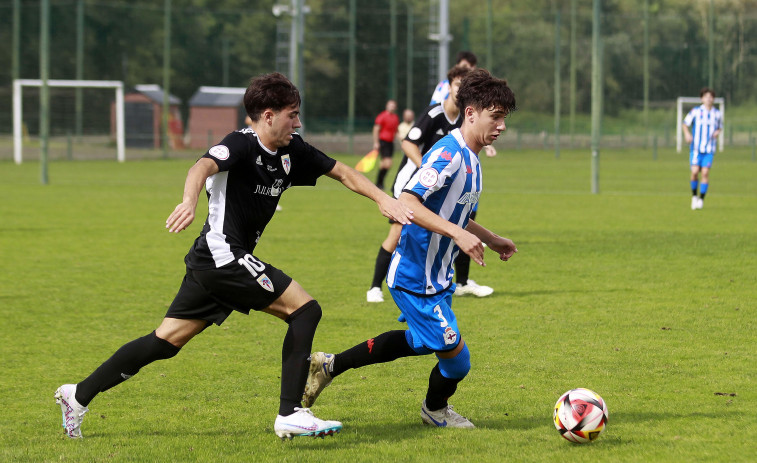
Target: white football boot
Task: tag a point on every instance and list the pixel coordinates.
(302, 423)
(471, 287)
(694, 203)
(73, 413)
(700, 203)
(444, 418)
(374, 295)
(319, 377)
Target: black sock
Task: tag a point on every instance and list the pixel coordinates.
(383, 348)
(462, 268)
(440, 389)
(294, 355)
(701, 195)
(381, 175)
(124, 364)
(383, 259)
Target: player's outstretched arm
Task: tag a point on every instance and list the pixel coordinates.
(355, 181)
(502, 246)
(183, 215)
(466, 241)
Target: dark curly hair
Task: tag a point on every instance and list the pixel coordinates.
(270, 91)
(707, 90)
(481, 90)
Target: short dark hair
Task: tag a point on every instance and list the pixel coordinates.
(706, 90)
(468, 56)
(270, 91)
(481, 90)
(457, 71)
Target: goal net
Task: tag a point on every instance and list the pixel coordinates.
(86, 119)
(685, 103)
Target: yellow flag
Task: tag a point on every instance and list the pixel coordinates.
(368, 162)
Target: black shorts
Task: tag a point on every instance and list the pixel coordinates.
(213, 294)
(386, 149)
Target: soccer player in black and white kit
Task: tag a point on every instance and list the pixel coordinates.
(434, 123)
(244, 177)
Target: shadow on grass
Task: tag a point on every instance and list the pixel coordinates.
(641, 417)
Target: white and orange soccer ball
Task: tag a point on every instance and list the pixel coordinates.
(580, 415)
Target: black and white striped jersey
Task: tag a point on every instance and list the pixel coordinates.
(243, 195)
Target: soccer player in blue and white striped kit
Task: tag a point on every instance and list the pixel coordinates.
(701, 126)
(442, 195)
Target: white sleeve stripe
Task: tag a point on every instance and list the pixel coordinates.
(216, 239)
(393, 269)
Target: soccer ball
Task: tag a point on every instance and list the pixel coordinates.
(580, 415)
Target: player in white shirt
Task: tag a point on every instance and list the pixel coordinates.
(701, 127)
(442, 195)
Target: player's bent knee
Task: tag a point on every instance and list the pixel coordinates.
(178, 332)
(292, 299)
(310, 310)
(456, 367)
(163, 349)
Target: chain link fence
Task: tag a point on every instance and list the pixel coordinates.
(652, 53)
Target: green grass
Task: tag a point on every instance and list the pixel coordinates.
(628, 293)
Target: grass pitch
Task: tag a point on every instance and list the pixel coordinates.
(628, 293)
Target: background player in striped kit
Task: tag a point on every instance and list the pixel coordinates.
(441, 194)
(706, 123)
(466, 59)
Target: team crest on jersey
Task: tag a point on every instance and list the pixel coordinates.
(286, 162)
(266, 283)
(219, 152)
(428, 177)
(449, 336)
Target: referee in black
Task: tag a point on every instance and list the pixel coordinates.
(244, 177)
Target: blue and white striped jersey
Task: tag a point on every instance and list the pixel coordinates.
(449, 184)
(441, 92)
(703, 124)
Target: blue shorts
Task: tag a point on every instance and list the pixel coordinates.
(701, 159)
(430, 319)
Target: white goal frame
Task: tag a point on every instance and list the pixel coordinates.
(679, 118)
(18, 85)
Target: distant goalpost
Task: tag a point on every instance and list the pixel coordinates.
(18, 85)
(679, 117)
